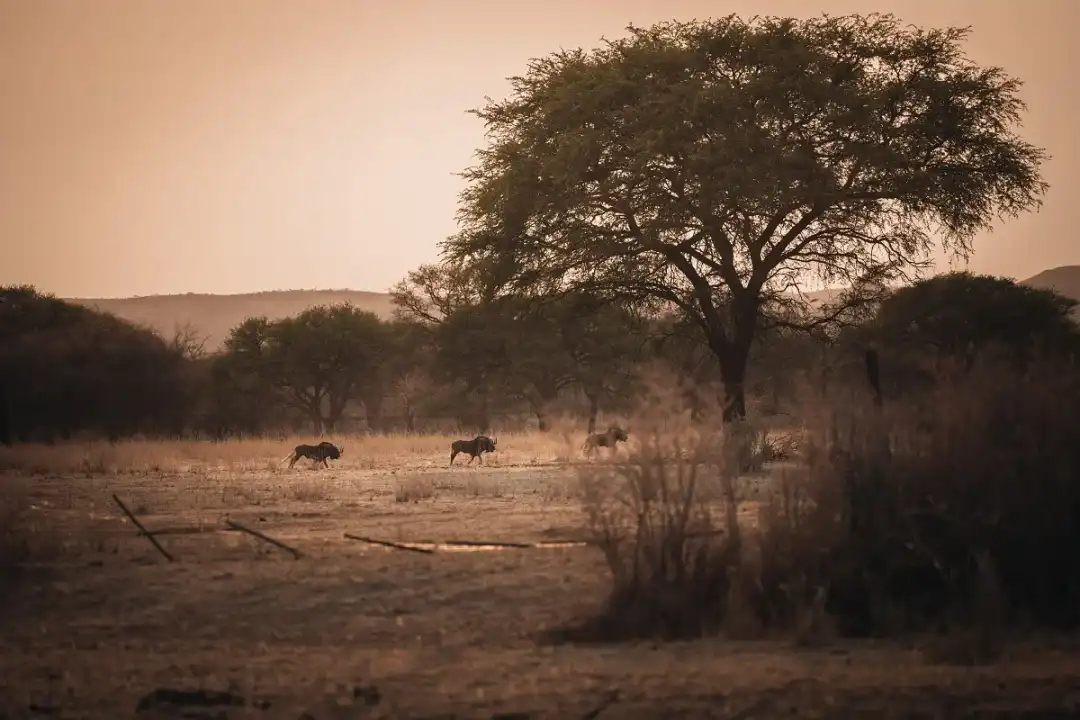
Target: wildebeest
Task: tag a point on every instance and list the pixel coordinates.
(607, 439)
(318, 453)
(475, 447)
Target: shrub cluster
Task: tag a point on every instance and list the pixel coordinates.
(952, 510)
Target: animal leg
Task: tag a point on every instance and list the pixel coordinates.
(293, 459)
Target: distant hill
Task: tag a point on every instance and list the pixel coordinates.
(215, 315)
(1065, 280)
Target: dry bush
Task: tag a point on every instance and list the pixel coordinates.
(918, 512)
(667, 520)
(954, 511)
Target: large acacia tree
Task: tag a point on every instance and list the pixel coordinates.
(711, 166)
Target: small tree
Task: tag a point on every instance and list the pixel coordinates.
(960, 313)
(603, 343)
(959, 316)
(326, 357)
(69, 368)
(317, 362)
(711, 166)
(469, 348)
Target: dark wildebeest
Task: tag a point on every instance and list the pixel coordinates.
(318, 453)
(607, 439)
(475, 447)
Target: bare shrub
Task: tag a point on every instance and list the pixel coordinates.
(650, 518)
(952, 513)
(667, 522)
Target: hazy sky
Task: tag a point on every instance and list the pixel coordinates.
(164, 146)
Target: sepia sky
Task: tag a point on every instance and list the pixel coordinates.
(225, 146)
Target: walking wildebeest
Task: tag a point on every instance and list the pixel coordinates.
(318, 453)
(607, 439)
(475, 447)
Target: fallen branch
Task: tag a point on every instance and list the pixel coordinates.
(560, 543)
(142, 530)
(387, 543)
(483, 543)
(255, 533)
(184, 530)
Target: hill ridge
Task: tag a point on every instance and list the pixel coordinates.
(215, 314)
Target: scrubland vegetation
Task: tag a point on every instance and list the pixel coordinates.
(867, 507)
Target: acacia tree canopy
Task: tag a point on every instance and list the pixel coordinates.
(328, 355)
(960, 313)
(712, 165)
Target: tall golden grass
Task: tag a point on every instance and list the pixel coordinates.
(360, 452)
(952, 510)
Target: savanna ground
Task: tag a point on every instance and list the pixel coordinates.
(100, 619)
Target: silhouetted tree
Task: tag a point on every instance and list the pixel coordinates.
(73, 369)
(466, 336)
(325, 358)
(960, 316)
(710, 165)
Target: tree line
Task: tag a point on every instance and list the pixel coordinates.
(453, 360)
(658, 199)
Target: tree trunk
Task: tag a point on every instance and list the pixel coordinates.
(5, 430)
(733, 354)
(539, 402)
(873, 375)
(315, 415)
(734, 401)
(733, 359)
(373, 411)
(594, 411)
(542, 422)
(336, 412)
(692, 396)
(483, 420)
(410, 416)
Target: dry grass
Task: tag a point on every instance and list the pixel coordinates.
(952, 514)
(449, 632)
(365, 452)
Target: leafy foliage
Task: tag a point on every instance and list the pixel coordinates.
(710, 166)
(960, 314)
(317, 362)
(69, 369)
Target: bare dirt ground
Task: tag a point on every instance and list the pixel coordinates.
(351, 629)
